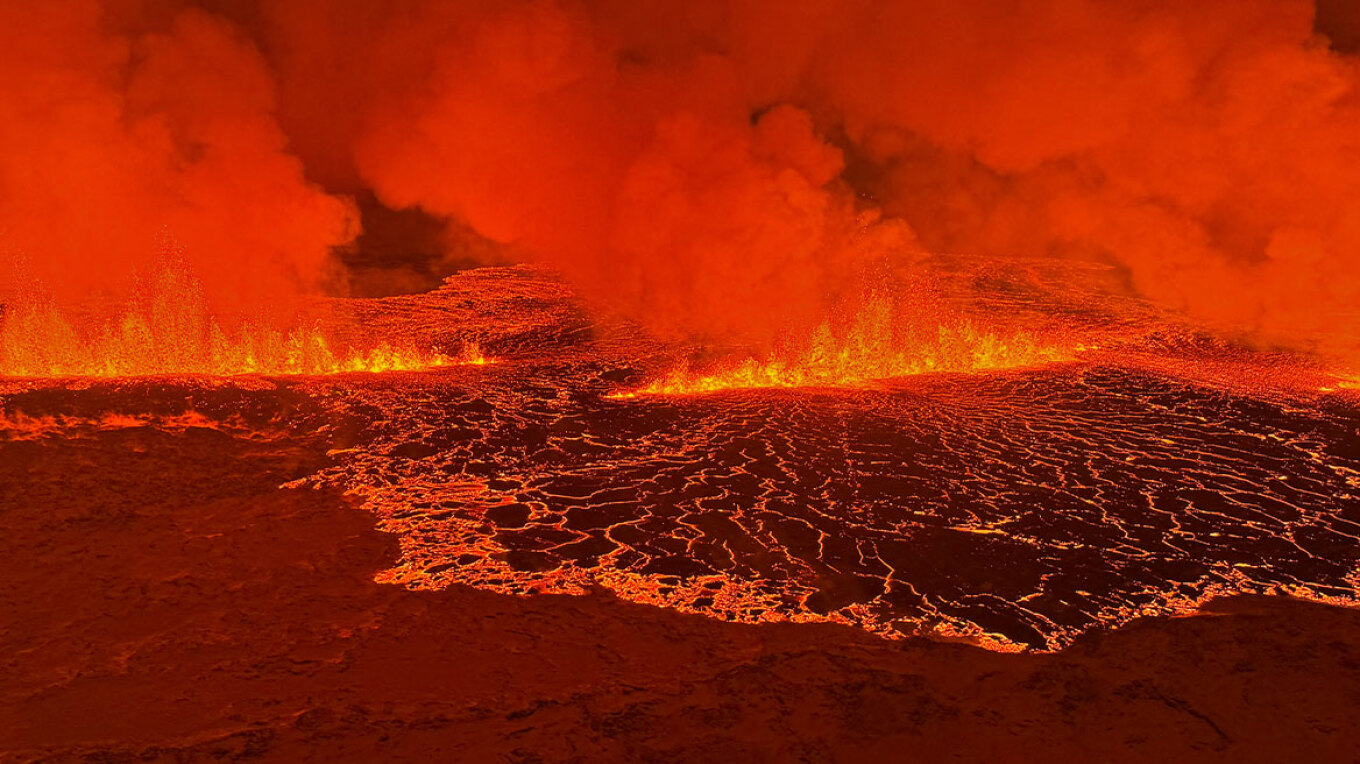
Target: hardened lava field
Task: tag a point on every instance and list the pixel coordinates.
(1016, 508)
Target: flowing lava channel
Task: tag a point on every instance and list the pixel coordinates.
(174, 332)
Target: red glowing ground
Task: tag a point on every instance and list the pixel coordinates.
(1017, 508)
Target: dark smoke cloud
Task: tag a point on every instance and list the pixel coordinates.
(1339, 22)
(718, 169)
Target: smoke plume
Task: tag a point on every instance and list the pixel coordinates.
(715, 169)
(122, 127)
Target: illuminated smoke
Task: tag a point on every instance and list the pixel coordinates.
(707, 165)
(716, 169)
(120, 128)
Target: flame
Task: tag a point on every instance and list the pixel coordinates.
(174, 333)
(876, 346)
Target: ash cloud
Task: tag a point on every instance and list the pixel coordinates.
(716, 169)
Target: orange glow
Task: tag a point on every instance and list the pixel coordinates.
(876, 346)
(174, 332)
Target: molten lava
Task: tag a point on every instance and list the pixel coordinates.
(1153, 470)
(174, 332)
(881, 342)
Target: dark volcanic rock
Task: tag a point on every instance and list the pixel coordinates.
(165, 601)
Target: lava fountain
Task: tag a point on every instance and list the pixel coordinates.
(881, 341)
(170, 330)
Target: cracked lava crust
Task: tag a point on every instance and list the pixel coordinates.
(1016, 509)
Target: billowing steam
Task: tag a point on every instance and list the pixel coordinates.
(715, 168)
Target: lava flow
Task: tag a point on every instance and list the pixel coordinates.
(172, 331)
(1018, 510)
(881, 342)
(1138, 471)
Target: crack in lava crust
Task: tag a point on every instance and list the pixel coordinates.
(1018, 510)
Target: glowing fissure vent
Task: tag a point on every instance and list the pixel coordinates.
(175, 334)
(879, 344)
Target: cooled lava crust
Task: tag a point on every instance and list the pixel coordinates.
(1014, 509)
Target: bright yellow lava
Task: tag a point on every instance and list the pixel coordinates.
(176, 335)
(871, 350)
